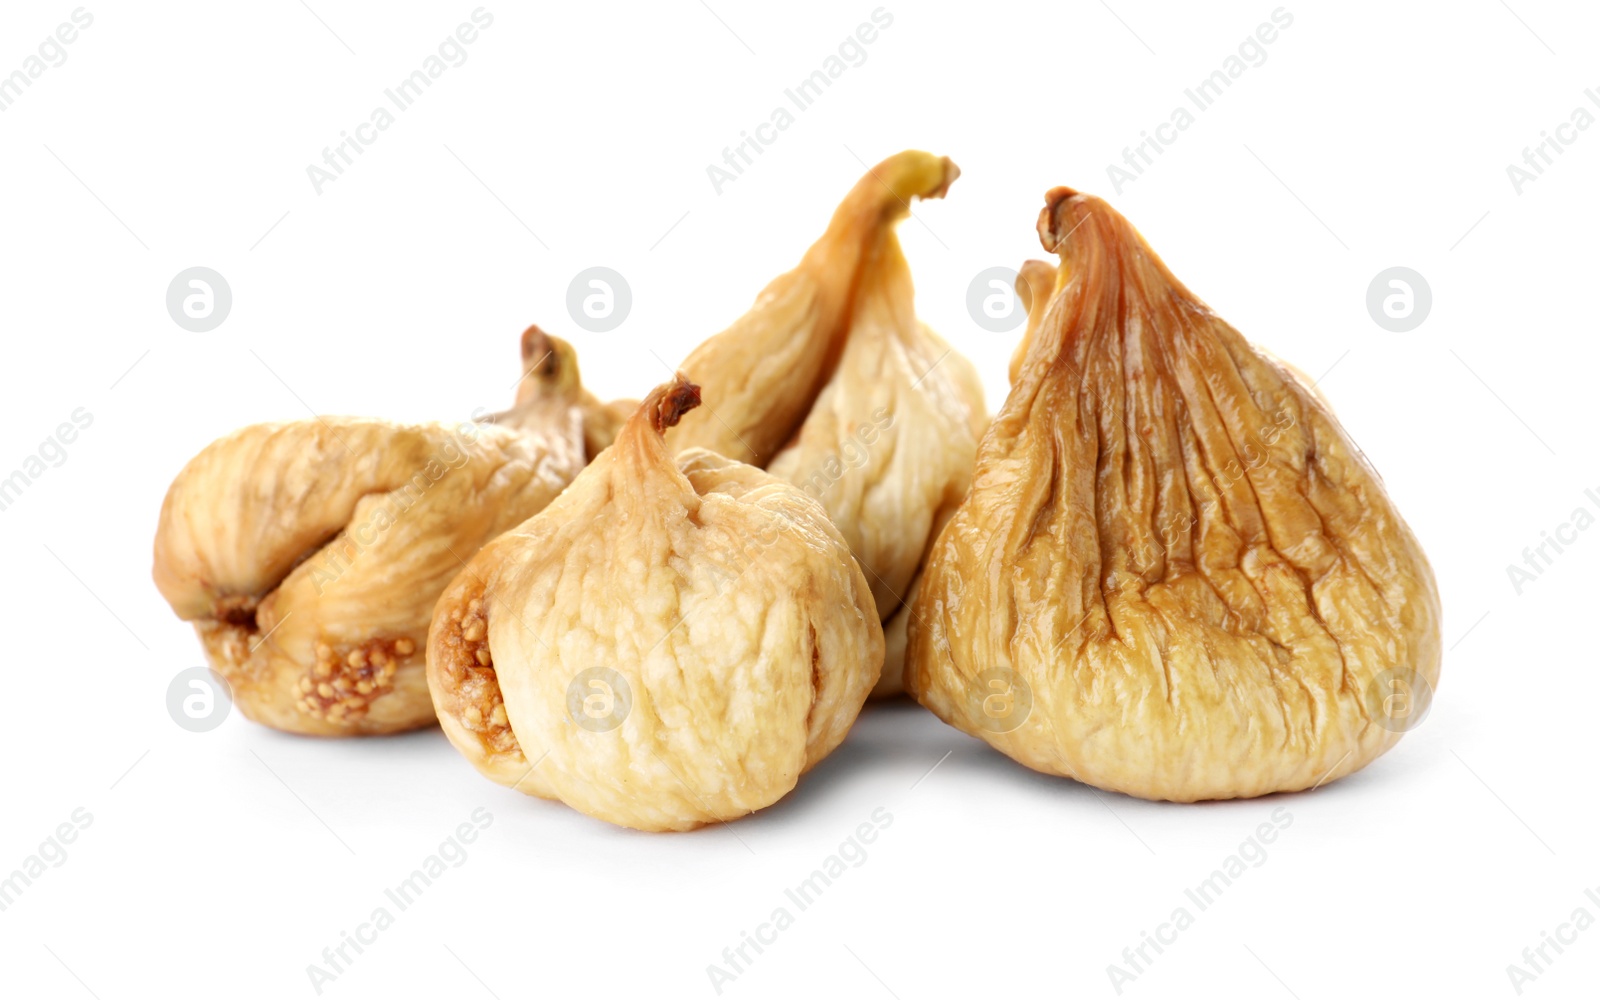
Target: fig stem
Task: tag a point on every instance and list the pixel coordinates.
(537, 350)
(550, 382)
(1064, 210)
(667, 403)
(887, 189)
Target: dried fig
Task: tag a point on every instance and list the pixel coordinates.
(668, 644)
(1175, 576)
(309, 554)
(831, 383)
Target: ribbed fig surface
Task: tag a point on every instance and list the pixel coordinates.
(1174, 576)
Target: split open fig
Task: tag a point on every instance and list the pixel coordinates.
(831, 383)
(309, 554)
(670, 643)
(1175, 576)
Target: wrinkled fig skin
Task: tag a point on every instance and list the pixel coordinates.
(831, 383)
(723, 596)
(309, 554)
(1173, 545)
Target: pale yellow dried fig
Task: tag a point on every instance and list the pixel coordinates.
(546, 358)
(670, 643)
(831, 383)
(1174, 576)
(309, 554)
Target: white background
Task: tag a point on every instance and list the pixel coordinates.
(1375, 134)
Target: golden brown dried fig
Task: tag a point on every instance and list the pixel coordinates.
(668, 644)
(831, 383)
(309, 554)
(1035, 285)
(1174, 576)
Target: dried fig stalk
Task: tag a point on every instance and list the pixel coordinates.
(309, 554)
(1174, 576)
(668, 644)
(546, 358)
(831, 383)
